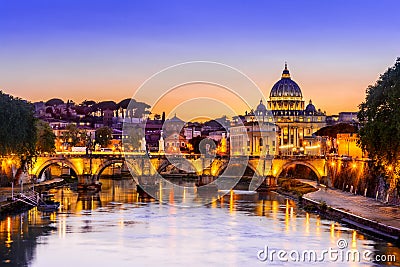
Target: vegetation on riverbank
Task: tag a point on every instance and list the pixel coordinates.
(293, 187)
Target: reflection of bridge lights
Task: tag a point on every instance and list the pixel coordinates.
(307, 222)
(231, 202)
(332, 230)
(8, 232)
(354, 239)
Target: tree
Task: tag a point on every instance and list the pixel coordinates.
(54, 102)
(72, 135)
(133, 136)
(104, 136)
(17, 129)
(195, 143)
(333, 130)
(45, 137)
(141, 109)
(379, 116)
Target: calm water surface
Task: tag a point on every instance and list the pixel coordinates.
(117, 228)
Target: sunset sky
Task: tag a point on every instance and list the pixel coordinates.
(104, 50)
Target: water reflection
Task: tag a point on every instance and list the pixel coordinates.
(118, 226)
(19, 236)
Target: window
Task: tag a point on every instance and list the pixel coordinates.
(261, 142)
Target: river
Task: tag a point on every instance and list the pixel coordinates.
(117, 228)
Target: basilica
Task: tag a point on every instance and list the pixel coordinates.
(295, 121)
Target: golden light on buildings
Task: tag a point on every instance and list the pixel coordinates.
(354, 165)
(390, 168)
(9, 161)
(333, 164)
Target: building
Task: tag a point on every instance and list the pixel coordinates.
(296, 122)
(192, 130)
(153, 129)
(108, 115)
(174, 141)
(343, 117)
(348, 117)
(347, 145)
(253, 138)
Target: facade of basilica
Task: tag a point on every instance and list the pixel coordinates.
(295, 121)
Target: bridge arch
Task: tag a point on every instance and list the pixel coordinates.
(162, 165)
(106, 164)
(221, 169)
(50, 162)
(304, 163)
(184, 165)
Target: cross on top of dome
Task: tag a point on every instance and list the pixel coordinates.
(285, 73)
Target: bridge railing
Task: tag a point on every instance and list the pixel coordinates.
(193, 156)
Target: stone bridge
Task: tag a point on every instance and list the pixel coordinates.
(89, 168)
(317, 164)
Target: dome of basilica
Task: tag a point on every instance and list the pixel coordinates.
(286, 87)
(310, 109)
(261, 107)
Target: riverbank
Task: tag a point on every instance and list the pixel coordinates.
(8, 207)
(293, 188)
(363, 213)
